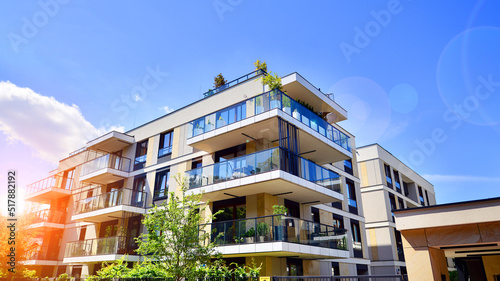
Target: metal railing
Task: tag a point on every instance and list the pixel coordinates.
(277, 228)
(261, 162)
(119, 245)
(49, 216)
(122, 196)
(107, 161)
(234, 82)
(55, 181)
(263, 103)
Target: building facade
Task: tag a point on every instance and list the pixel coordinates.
(246, 148)
(387, 184)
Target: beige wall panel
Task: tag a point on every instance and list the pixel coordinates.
(453, 235)
(311, 268)
(414, 238)
(490, 232)
(251, 204)
(491, 266)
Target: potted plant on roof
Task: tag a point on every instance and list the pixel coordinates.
(220, 82)
(279, 211)
(260, 67)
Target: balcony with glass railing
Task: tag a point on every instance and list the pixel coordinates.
(260, 118)
(42, 256)
(50, 188)
(110, 205)
(50, 218)
(272, 229)
(302, 179)
(106, 246)
(105, 169)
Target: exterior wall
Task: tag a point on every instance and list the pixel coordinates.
(375, 194)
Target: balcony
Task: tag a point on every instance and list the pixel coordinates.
(51, 188)
(274, 171)
(105, 169)
(42, 257)
(110, 142)
(256, 118)
(110, 205)
(278, 235)
(100, 249)
(48, 218)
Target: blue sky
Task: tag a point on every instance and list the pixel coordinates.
(418, 77)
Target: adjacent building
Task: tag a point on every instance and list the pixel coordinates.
(246, 148)
(387, 184)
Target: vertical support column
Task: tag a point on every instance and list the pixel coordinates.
(423, 262)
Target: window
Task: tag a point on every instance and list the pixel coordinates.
(356, 239)
(421, 196)
(138, 195)
(68, 179)
(388, 177)
(165, 149)
(399, 245)
(405, 188)
(196, 163)
(338, 221)
(351, 196)
(397, 183)
(315, 214)
(427, 197)
(293, 208)
(401, 203)
(141, 154)
(348, 166)
(392, 201)
(161, 184)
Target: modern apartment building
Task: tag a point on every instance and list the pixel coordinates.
(387, 184)
(246, 148)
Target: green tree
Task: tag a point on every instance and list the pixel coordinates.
(219, 81)
(174, 239)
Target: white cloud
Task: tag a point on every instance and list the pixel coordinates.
(51, 128)
(167, 109)
(459, 178)
(137, 98)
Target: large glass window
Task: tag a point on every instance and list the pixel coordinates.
(392, 201)
(138, 194)
(140, 155)
(427, 197)
(165, 148)
(388, 176)
(405, 188)
(397, 182)
(338, 221)
(161, 184)
(356, 239)
(348, 166)
(351, 196)
(421, 196)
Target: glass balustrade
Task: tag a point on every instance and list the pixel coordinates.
(261, 162)
(55, 181)
(116, 197)
(119, 245)
(276, 228)
(49, 216)
(262, 103)
(107, 161)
